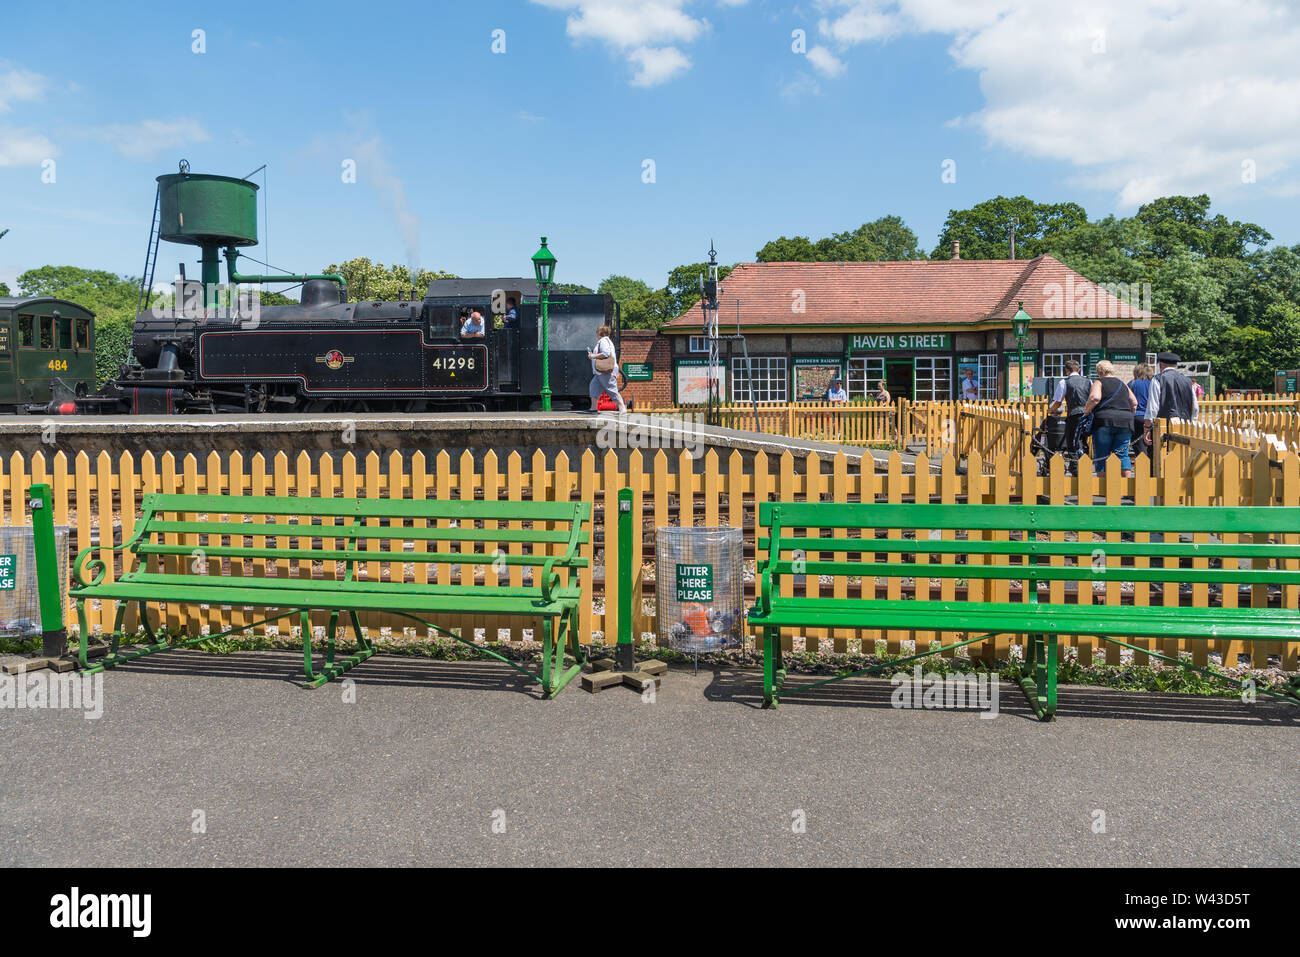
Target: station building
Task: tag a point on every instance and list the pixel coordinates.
(931, 329)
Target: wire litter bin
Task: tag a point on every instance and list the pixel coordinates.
(700, 588)
(20, 606)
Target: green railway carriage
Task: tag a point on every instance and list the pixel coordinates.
(47, 353)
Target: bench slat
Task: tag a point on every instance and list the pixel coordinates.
(978, 547)
(194, 584)
(1080, 573)
(1050, 518)
(289, 595)
(1257, 624)
(576, 511)
(353, 532)
(341, 555)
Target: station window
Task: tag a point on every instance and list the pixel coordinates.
(770, 379)
(989, 376)
(933, 378)
(1054, 363)
(65, 333)
(26, 332)
(697, 344)
(47, 332)
(864, 373)
(83, 333)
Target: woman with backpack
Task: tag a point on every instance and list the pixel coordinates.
(604, 370)
(1111, 404)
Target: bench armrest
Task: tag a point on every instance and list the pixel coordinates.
(769, 579)
(97, 568)
(550, 579)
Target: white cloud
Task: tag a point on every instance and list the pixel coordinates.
(1144, 97)
(647, 34)
(801, 85)
(824, 61)
(24, 147)
(18, 85)
(147, 138)
(655, 66)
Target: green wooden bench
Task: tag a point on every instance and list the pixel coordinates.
(178, 537)
(1254, 546)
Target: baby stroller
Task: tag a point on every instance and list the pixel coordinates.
(1049, 440)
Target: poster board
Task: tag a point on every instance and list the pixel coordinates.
(813, 375)
(692, 381)
(1013, 373)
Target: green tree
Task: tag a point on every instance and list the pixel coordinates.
(367, 280)
(984, 230)
(887, 238)
(1247, 356)
(572, 289)
(4, 289)
(95, 289)
(1183, 222)
(623, 288)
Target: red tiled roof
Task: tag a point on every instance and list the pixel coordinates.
(917, 292)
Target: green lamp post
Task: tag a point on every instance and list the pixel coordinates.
(1020, 326)
(544, 270)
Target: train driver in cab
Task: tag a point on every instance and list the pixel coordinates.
(512, 313)
(473, 327)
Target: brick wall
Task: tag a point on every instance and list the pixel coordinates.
(646, 345)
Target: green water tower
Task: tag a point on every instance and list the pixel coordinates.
(199, 209)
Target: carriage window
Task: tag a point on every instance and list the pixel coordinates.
(26, 332)
(83, 333)
(65, 333)
(47, 332)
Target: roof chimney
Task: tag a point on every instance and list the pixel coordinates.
(956, 249)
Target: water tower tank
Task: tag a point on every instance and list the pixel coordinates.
(203, 210)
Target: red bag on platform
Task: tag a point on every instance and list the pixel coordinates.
(606, 404)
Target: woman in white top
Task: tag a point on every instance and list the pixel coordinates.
(606, 382)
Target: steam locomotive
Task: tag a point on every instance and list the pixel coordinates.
(326, 355)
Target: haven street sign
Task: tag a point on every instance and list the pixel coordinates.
(901, 341)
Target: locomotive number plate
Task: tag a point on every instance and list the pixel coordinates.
(456, 368)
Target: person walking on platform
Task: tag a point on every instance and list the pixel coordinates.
(1172, 395)
(1072, 391)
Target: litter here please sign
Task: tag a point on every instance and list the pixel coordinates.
(8, 563)
(694, 582)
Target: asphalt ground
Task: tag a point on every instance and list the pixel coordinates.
(440, 763)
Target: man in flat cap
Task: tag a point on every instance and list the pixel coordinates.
(1172, 394)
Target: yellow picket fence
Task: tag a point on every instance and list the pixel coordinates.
(855, 423)
(934, 426)
(99, 500)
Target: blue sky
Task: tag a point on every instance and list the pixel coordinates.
(465, 156)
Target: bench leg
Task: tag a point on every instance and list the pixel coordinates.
(83, 635)
(773, 667)
(332, 668)
(1039, 682)
(556, 635)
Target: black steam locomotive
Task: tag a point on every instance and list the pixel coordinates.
(325, 355)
